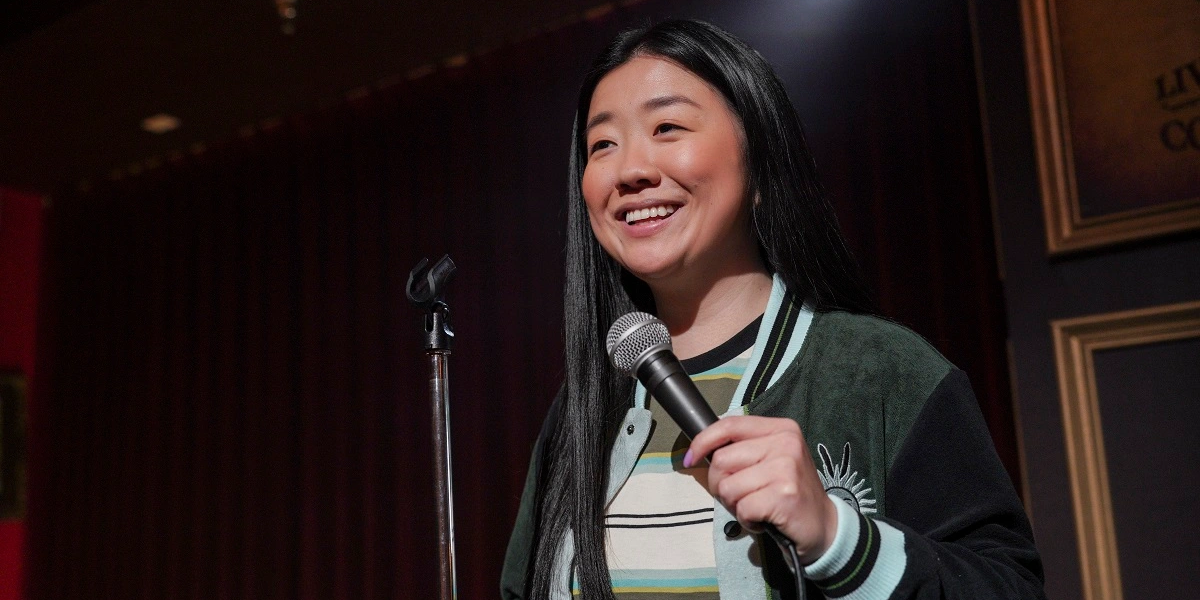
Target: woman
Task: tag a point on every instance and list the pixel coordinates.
(693, 196)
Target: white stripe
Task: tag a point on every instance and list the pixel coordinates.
(685, 547)
(842, 548)
(645, 493)
(889, 566)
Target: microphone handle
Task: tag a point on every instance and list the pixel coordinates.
(665, 379)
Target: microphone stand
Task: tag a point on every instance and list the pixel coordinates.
(426, 286)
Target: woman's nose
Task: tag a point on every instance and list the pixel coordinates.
(638, 170)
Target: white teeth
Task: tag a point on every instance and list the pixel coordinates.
(634, 216)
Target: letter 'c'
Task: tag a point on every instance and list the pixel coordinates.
(1177, 135)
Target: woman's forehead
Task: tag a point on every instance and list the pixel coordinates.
(643, 81)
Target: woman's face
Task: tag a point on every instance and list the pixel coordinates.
(664, 183)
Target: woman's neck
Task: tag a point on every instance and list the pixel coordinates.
(702, 316)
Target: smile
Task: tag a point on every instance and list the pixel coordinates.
(653, 212)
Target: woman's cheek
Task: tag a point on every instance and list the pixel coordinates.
(593, 189)
(684, 163)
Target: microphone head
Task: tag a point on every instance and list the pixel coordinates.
(632, 338)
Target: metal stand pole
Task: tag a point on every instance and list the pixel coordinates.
(439, 394)
(425, 288)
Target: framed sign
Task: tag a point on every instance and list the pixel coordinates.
(1115, 94)
(1138, 369)
(12, 445)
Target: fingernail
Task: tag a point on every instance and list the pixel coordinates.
(687, 459)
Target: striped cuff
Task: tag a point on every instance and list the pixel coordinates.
(866, 559)
(839, 551)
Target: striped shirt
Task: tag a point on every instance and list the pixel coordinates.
(659, 526)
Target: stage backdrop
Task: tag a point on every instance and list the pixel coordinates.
(231, 384)
(20, 253)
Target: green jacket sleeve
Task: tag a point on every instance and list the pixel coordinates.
(520, 543)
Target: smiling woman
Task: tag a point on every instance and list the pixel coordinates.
(694, 197)
(667, 196)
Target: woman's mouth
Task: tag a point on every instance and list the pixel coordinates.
(652, 213)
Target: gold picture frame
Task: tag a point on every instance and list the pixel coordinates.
(12, 445)
(1147, 209)
(1075, 342)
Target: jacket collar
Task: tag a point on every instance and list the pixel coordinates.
(780, 336)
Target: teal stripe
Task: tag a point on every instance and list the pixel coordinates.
(698, 573)
(664, 583)
(655, 460)
(715, 376)
(659, 469)
(733, 368)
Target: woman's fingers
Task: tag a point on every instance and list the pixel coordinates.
(733, 429)
(809, 521)
(778, 472)
(746, 452)
(762, 472)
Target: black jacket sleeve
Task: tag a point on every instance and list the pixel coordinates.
(954, 527)
(965, 532)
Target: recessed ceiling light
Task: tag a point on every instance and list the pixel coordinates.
(160, 123)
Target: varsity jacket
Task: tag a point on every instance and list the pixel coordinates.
(925, 508)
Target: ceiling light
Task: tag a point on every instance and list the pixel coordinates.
(160, 123)
(287, 15)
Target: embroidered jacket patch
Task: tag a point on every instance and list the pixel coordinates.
(841, 482)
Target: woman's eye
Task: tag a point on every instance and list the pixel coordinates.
(666, 128)
(600, 145)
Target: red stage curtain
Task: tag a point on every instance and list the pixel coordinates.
(20, 256)
(233, 389)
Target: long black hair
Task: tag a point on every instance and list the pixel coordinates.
(798, 236)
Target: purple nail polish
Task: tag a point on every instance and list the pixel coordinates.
(687, 459)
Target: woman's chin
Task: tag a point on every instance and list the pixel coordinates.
(653, 273)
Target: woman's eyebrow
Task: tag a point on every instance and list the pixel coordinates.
(665, 101)
(597, 119)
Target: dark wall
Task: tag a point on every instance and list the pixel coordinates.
(1039, 289)
(235, 395)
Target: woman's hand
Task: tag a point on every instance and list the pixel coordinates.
(763, 473)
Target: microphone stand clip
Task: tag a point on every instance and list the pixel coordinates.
(426, 286)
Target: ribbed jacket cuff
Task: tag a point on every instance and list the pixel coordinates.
(866, 560)
(842, 547)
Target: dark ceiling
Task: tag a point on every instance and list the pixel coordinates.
(77, 78)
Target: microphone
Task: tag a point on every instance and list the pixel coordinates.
(639, 346)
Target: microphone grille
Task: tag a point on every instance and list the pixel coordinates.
(631, 336)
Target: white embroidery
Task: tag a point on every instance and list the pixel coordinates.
(840, 482)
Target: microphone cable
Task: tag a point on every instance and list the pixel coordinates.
(790, 557)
